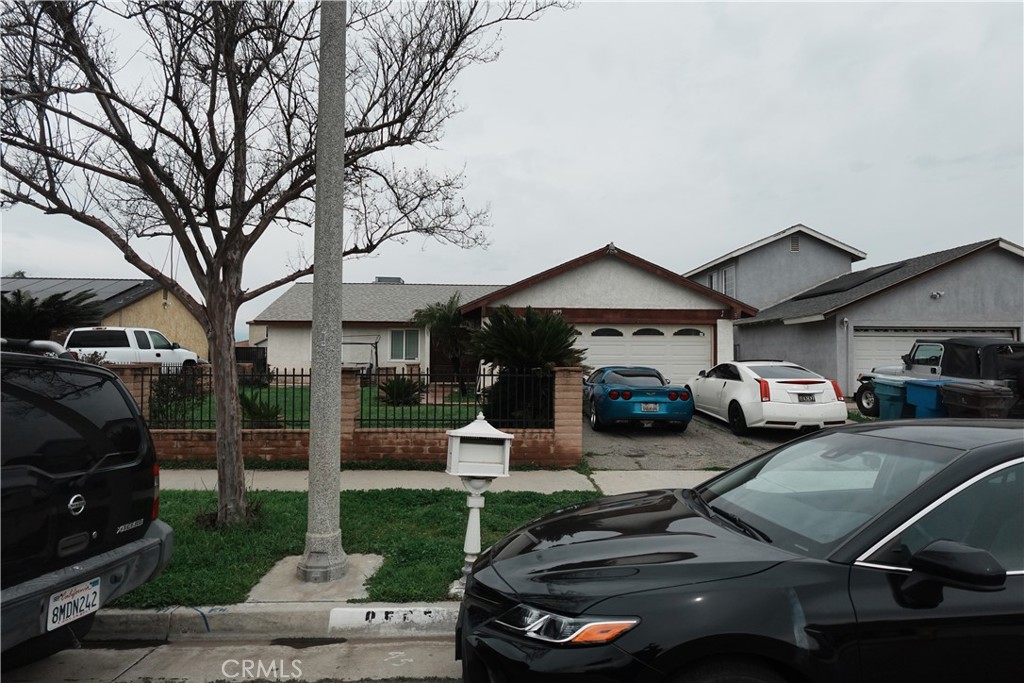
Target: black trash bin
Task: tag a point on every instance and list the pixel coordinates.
(977, 400)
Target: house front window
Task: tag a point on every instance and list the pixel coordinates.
(724, 280)
(405, 345)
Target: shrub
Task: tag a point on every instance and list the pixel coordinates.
(257, 414)
(523, 399)
(401, 391)
(173, 398)
(94, 357)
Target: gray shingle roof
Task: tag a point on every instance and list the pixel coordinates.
(113, 294)
(844, 289)
(369, 302)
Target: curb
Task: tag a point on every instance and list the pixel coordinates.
(277, 620)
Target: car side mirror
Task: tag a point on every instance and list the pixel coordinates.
(175, 345)
(949, 563)
(702, 373)
(907, 359)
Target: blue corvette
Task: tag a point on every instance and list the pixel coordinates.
(634, 394)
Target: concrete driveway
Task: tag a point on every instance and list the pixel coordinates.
(706, 444)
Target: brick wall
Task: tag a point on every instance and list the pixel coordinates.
(558, 447)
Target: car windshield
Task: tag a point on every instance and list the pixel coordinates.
(783, 372)
(634, 378)
(811, 496)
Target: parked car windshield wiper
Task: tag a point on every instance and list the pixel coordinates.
(739, 523)
(697, 502)
(701, 506)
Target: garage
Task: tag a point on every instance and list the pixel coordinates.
(678, 351)
(885, 346)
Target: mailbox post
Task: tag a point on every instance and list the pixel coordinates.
(477, 454)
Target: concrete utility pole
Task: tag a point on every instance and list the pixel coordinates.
(324, 559)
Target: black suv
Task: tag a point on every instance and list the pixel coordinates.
(80, 491)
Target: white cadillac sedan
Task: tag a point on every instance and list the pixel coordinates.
(768, 393)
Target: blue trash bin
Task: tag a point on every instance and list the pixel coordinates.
(892, 397)
(926, 397)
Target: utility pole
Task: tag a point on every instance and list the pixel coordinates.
(324, 559)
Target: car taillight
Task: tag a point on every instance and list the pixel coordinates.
(766, 393)
(613, 395)
(672, 396)
(626, 395)
(156, 491)
(839, 392)
(684, 396)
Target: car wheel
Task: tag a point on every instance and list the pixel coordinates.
(595, 421)
(726, 671)
(681, 427)
(737, 421)
(867, 402)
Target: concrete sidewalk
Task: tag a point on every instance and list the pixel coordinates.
(541, 481)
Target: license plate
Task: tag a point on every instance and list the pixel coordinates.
(648, 407)
(73, 603)
(805, 398)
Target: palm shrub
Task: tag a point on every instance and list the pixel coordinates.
(525, 348)
(258, 414)
(23, 316)
(401, 391)
(448, 330)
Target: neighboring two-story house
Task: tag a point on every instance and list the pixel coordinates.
(816, 311)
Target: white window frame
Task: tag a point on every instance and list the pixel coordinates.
(724, 280)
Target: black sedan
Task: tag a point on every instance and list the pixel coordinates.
(876, 552)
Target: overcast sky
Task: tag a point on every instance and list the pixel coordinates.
(682, 131)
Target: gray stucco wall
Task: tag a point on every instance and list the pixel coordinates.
(812, 345)
(985, 290)
(773, 273)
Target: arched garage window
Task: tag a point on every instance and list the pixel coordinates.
(688, 332)
(648, 332)
(606, 332)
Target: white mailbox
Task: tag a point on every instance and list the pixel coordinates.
(478, 450)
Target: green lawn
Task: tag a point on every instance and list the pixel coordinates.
(292, 403)
(376, 413)
(419, 533)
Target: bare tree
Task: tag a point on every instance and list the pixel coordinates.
(213, 144)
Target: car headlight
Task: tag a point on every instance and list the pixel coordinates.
(555, 628)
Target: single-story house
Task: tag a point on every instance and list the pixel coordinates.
(124, 303)
(852, 321)
(627, 309)
(376, 329)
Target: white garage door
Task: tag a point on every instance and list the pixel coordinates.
(875, 346)
(678, 351)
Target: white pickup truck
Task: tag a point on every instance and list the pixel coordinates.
(129, 345)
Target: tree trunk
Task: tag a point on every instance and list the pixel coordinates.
(221, 314)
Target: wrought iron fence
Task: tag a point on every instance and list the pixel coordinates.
(411, 400)
(269, 399)
(279, 399)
